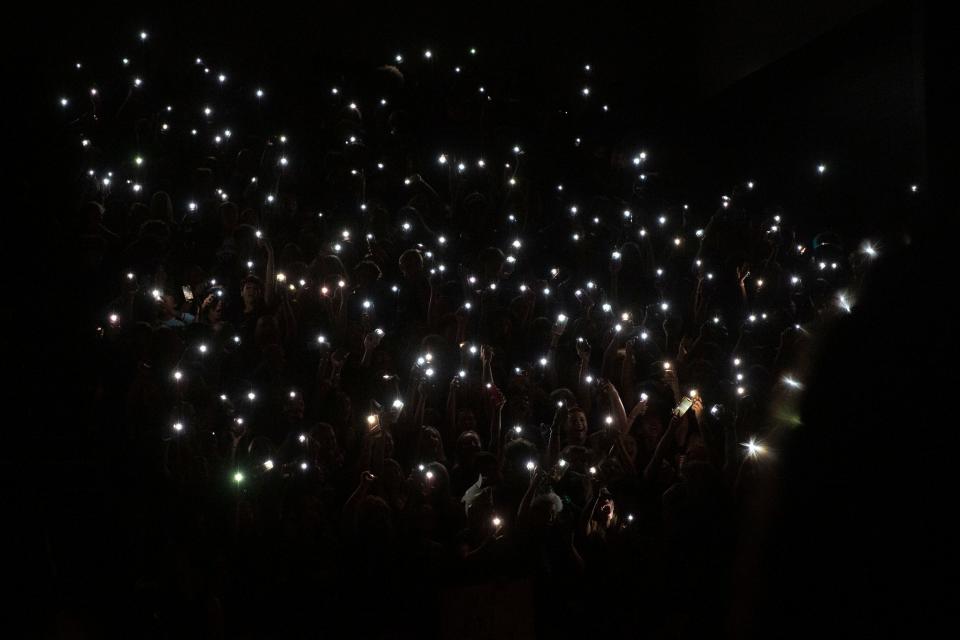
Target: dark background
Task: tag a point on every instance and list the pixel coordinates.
(720, 91)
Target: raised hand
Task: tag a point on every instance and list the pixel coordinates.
(372, 340)
(583, 349)
(486, 354)
(697, 407)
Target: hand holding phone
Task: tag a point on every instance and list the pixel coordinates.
(685, 403)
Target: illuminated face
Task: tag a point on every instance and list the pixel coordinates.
(216, 312)
(250, 293)
(169, 304)
(432, 440)
(575, 431)
(468, 445)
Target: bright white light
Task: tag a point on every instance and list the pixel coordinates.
(845, 303)
(753, 449)
(791, 382)
(821, 168)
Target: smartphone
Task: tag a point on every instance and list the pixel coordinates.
(187, 293)
(685, 403)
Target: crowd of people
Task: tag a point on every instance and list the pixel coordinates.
(362, 380)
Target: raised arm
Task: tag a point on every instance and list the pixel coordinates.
(497, 425)
(270, 284)
(536, 478)
(616, 407)
(486, 356)
(653, 467)
(583, 386)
